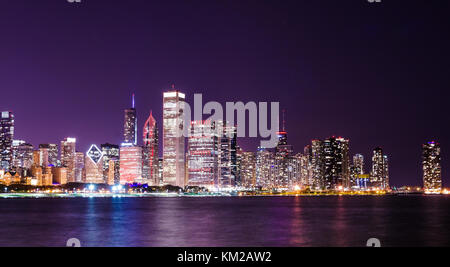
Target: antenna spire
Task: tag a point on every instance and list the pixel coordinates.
(284, 121)
(133, 103)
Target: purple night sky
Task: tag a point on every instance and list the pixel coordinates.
(374, 73)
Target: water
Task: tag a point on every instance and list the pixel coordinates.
(227, 221)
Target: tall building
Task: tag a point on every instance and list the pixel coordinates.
(336, 164)
(380, 169)
(68, 157)
(265, 164)
(22, 154)
(248, 169)
(110, 152)
(113, 172)
(130, 164)
(59, 175)
(6, 139)
(202, 155)
(227, 156)
(48, 154)
(94, 166)
(283, 160)
(130, 125)
(356, 169)
(150, 151)
(79, 167)
(173, 139)
(431, 161)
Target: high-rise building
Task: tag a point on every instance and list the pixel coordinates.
(336, 164)
(356, 169)
(48, 154)
(203, 154)
(79, 167)
(380, 170)
(283, 154)
(113, 172)
(317, 164)
(6, 139)
(227, 157)
(130, 125)
(94, 166)
(59, 175)
(68, 157)
(130, 164)
(265, 168)
(110, 152)
(432, 173)
(150, 151)
(173, 139)
(22, 154)
(248, 169)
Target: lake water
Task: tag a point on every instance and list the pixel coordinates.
(227, 221)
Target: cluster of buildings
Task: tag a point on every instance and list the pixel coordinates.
(212, 159)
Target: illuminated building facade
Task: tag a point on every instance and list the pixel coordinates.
(317, 164)
(248, 169)
(59, 175)
(356, 169)
(79, 167)
(22, 154)
(94, 166)
(48, 154)
(6, 139)
(380, 169)
(283, 161)
(110, 152)
(150, 152)
(130, 125)
(336, 163)
(113, 172)
(130, 164)
(68, 157)
(202, 154)
(431, 163)
(227, 156)
(265, 161)
(173, 139)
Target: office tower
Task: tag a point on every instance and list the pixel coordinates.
(130, 125)
(48, 154)
(336, 164)
(59, 175)
(317, 164)
(79, 167)
(380, 174)
(356, 169)
(283, 152)
(93, 165)
(150, 151)
(37, 173)
(293, 171)
(110, 152)
(6, 139)
(47, 176)
(113, 172)
(431, 160)
(68, 157)
(22, 154)
(248, 169)
(265, 162)
(202, 155)
(227, 158)
(173, 139)
(130, 164)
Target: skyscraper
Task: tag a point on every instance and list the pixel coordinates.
(110, 152)
(79, 167)
(265, 162)
(150, 151)
(130, 125)
(22, 154)
(94, 166)
(173, 139)
(203, 154)
(248, 169)
(6, 139)
(48, 154)
(317, 164)
(336, 163)
(380, 171)
(68, 157)
(431, 160)
(131, 165)
(227, 157)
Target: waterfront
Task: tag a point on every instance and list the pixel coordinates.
(227, 221)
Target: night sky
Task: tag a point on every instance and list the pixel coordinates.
(377, 74)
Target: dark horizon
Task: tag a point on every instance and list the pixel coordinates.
(375, 73)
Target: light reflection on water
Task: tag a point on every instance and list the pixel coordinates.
(227, 221)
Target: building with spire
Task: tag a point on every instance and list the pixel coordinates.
(150, 151)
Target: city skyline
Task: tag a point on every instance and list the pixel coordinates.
(353, 85)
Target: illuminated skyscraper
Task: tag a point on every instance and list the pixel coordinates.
(130, 164)
(380, 170)
(317, 164)
(336, 163)
(431, 160)
(265, 172)
(68, 157)
(227, 157)
(22, 154)
(203, 154)
(248, 169)
(79, 167)
(6, 139)
(48, 154)
(93, 165)
(173, 139)
(356, 170)
(130, 125)
(150, 151)
(110, 152)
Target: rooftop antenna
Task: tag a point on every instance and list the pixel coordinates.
(173, 86)
(284, 121)
(133, 101)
